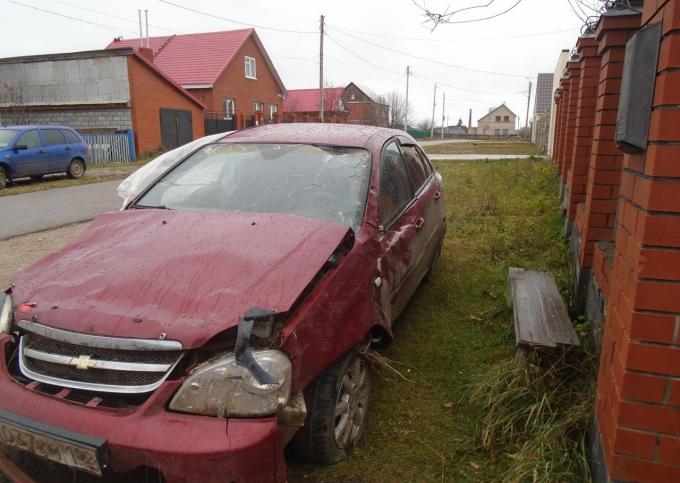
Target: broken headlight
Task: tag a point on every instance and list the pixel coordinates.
(6, 309)
(220, 387)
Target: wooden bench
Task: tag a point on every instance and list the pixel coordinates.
(541, 319)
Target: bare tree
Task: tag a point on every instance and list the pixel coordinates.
(448, 15)
(12, 106)
(396, 104)
(424, 124)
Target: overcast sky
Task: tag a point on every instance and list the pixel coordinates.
(368, 42)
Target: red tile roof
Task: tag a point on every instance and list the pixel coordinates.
(196, 58)
(307, 100)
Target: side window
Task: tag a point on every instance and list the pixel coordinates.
(30, 139)
(53, 136)
(71, 137)
(395, 189)
(414, 167)
(426, 164)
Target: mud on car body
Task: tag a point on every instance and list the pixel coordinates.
(221, 315)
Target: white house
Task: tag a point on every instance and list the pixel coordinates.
(500, 121)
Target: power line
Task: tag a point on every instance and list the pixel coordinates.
(468, 39)
(95, 24)
(454, 66)
(206, 14)
(483, 18)
(112, 16)
(361, 58)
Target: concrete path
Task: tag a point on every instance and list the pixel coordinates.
(471, 157)
(435, 142)
(41, 210)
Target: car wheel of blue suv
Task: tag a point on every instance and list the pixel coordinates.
(76, 169)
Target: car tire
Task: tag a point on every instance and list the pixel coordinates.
(337, 404)
(76, 169)
(3, 179)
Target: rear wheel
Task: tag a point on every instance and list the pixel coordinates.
(337, 403)
(76, 169)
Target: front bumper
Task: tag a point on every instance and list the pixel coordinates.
(184, 448)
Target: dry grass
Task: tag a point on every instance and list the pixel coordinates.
(472, 147)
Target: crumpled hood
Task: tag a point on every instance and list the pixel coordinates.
(144, 273)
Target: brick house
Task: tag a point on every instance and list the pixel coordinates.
(500, 121)
(100, 91)
(364, 106)
(616, 151)
(302, 105)
(229, 71)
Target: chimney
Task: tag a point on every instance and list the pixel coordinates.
(146, 52)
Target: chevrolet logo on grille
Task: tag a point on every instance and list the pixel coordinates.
(83, 362)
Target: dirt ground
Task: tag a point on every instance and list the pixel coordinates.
(19, 252)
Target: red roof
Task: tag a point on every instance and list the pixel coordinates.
(307, 100)
(197, 58)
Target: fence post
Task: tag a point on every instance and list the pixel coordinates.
(131, 145)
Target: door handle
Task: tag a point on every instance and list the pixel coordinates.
(437, 195)
(42, 151)
(419, 223)
(67, 148)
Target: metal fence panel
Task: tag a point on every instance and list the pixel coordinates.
(109, 148)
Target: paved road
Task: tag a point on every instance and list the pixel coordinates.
(42, 210)
(470, 157)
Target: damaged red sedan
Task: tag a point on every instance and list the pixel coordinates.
(222, 314)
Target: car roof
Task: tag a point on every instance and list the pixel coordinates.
(37, 126)
(350, 135)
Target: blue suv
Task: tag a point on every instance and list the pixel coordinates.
(34, 151)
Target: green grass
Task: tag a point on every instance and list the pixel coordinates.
(457, 331)
(484, 147)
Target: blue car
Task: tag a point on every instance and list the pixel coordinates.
(34, 151)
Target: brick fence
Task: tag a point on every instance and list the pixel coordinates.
(622, 215)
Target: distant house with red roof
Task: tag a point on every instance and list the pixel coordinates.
(302, 105)
(100, 91)
(230, 72)
(351, 105)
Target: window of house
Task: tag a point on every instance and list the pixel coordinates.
(395, 189)
(229, 108)
(258, 107)
(251, 70)
(273, 108)
(505, 132)
(53, 136)
(30, 139)
(498, 118)
(506, 118)
(497, 132)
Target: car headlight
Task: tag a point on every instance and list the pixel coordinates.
(6, 309)
(222, 388)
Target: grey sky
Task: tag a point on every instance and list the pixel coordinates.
(476, 46)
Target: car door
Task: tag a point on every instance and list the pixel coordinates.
(32, 160)
(398, 214)
(58, 150)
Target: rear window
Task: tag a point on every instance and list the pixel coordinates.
(71, 137)
(53, 136)
(323, 182)
(6, 136)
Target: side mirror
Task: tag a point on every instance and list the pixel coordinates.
(17, 147)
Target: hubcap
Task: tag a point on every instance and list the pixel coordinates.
(77, 169)
(350, 408)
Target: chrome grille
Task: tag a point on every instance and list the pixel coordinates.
(96, 363)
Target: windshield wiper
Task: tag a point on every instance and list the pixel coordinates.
(148, 207)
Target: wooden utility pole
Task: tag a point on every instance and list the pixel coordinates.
(469, 120)
(408, 74)
(443, 108)
(526, 121)
(321, 69)
(434, 105)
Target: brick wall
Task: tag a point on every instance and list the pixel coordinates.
(149, 92)
(86, 118)
(574, 73)
(233, 84)
(638, 397)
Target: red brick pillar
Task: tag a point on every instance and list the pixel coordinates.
(562, 126)
(239, 121)
(573, 73)
(614, 29)
(589, 67)
(638, 393)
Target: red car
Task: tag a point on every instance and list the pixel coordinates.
(223, 313)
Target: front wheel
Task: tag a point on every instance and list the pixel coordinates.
(337, 404)
(76, 169)
(3, 179)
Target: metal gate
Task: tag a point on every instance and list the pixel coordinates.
(176, 128)
(216, 123)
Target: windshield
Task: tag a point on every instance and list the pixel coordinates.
(323, 182)
(6, 136)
